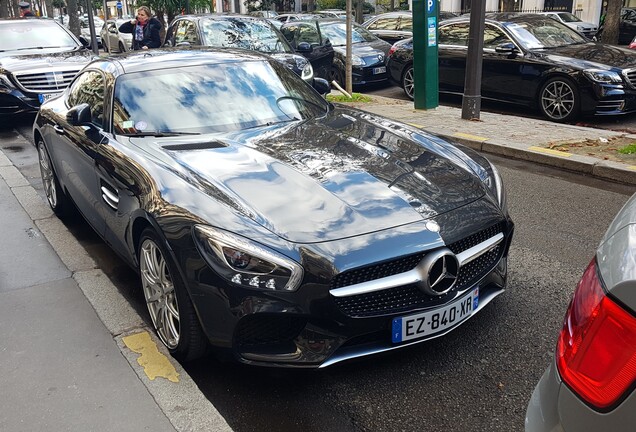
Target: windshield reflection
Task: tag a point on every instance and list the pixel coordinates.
(212, 98)
(24, 35)
(251, 35)
(545, 34)
(336, 32)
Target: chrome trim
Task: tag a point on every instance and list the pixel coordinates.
(110, 198)
(363, 352)
(478, 250)
(414, 275)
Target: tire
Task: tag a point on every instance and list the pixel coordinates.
(408, 84)
(559, 100)
(121, 48)
(169, 305)
(335, 74)
(57, 198)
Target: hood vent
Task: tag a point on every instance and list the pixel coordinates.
(195, 146)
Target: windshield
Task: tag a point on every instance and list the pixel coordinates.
(545, 33)
(31, 34)
(212, 98)
(337, 33)
(251, 35)
(568, 17)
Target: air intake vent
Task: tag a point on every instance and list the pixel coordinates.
(195, 146)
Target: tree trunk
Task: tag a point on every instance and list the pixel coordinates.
(609, 34)
(73, 19)
(507, 5)
(48, 4)
(4, 9)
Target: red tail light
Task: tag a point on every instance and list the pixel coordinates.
(596, 350)
(391, 50)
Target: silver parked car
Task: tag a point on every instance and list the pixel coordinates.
(113, 40)
(590, 384)
(586, 28)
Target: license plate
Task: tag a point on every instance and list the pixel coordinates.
(379, 70)
(46, 96)
(438, 320)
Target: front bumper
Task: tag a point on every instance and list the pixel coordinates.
(16, 102)
(366, 75)
(311, 328)
(608, 99)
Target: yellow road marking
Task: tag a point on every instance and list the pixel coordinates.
(154, 363)
(468, 136)
(550, 151)
(632, 167)
(416, 125)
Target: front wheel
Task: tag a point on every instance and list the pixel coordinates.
(58, 200)
(167, 299)
(408, 83)
(559, 100)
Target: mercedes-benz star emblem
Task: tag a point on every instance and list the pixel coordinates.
(439, 271)
(381, 57)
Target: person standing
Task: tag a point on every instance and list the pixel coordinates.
(145, 30)
(25, 10)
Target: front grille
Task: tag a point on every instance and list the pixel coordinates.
(46, 82)
(408, 297)
(630, 76)
(268, 329)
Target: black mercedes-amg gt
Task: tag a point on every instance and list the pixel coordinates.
(266, 222)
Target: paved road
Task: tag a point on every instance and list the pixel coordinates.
(478, 378)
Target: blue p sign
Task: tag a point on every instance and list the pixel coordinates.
(430, 6)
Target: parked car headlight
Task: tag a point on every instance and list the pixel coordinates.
(496, 186)
(308, 72)
(357, 61)
(246, 263)
(5, 83)
(603, 76)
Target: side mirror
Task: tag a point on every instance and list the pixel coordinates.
(85, 42)
(506, 48)
(79, 115)
(304, 47)
(321, 85)
(327, 42)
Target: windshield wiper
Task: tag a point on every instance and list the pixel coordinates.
(159, 134)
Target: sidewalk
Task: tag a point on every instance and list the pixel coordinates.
(75, 355)
(509, 136)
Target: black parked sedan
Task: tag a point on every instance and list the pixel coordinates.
(38, 59)
(535, 61)
(368, 51)
(264, 220)
(236, 31)
(396, 26)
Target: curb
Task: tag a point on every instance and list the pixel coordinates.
(182, 402)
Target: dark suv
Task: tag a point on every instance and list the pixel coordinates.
(38, 60)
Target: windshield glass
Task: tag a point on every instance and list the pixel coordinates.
(337, 33)
(212, 98)
(568, 17)
(23, 35)
(251, 35)
(545, 33)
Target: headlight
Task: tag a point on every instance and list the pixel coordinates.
(579, 28)
(5, 84)
(357, 61)
(494, 183)
(603, 76)
(308, 72)
(245, 263)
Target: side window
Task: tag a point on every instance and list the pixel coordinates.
(493, 37)
(186, 32)
(289, 32)
(406, 24)
(308, 33)
(454, 34)
(385, 24)
(89, 88)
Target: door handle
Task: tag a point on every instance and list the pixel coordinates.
(59, 129)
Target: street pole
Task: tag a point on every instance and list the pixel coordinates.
(91, 27)
(106, 42)
(471, 102)
(425, 54)
(348, 81)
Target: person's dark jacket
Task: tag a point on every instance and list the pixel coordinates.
(152, 37)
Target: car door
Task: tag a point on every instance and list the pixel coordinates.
(321, 55)
(75, 147)
(627, 26)
(452, 51)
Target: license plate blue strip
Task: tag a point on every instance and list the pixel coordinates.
(397, 330)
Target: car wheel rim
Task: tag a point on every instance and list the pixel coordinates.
(557, 100)
(159, 293)
(408, 83)
(48, 179)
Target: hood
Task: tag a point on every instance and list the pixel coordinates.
(591, 55)
(369, 51)
(328, 179)
(293, 61)
(29, 60)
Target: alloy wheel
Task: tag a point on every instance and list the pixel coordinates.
(158, 288)
(48, 178)
(408, 83)
(558, 100)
